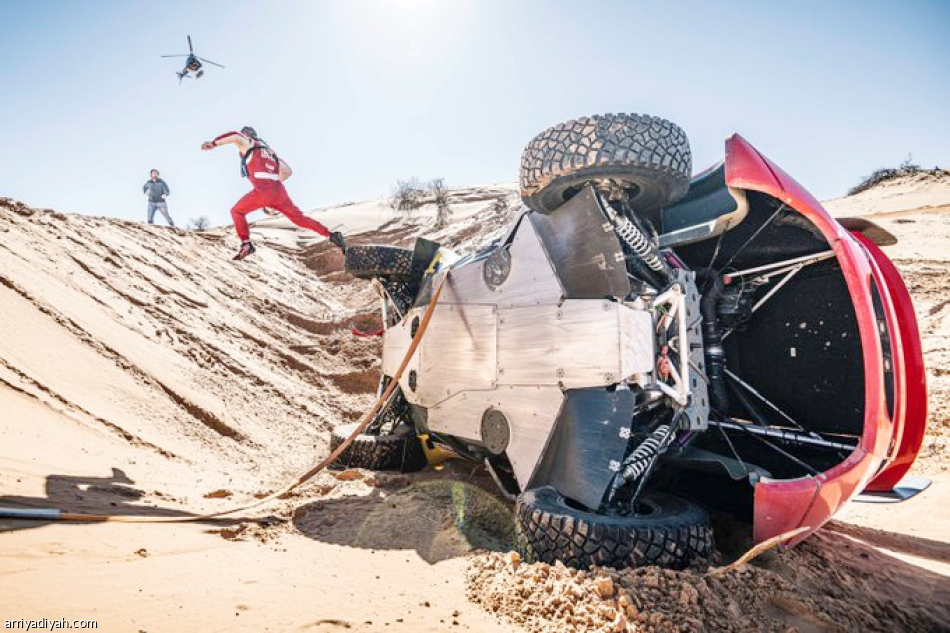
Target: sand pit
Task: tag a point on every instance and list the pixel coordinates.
(143, 372)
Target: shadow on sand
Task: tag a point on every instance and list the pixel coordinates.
(112, 495)
(439, 518)
(904, 543)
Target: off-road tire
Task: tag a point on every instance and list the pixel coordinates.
(650, 153)
(673, 534)
(401, 451)
(371, 261)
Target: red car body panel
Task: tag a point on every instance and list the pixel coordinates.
(911, 406)
(887, 447)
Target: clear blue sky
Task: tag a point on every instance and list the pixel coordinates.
(356, 94)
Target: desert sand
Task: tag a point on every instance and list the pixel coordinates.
(142, 372)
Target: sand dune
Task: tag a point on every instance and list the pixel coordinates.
(143, 372)
(907, 194)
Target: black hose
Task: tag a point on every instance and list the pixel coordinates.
(712, 341)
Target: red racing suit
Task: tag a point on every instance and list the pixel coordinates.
(263, 170)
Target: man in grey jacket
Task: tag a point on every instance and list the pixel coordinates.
(156, 190)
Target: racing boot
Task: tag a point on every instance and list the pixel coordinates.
(247, 248)
(336, 238)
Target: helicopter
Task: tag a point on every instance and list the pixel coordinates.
(193, 63)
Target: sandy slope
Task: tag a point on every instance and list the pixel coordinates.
(467, 204)
(907, 194)
(143, 372)
(151, 339)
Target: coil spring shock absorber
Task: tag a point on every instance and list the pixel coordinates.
(642, 458)
(640, 244)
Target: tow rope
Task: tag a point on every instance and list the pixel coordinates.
(54, 514)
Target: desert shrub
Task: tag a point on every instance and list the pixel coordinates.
(438, 191)
(439, 194)
(199, 224)
(407, 196)
(876, 177)
(498, 205)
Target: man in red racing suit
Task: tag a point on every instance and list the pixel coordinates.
(266, 173)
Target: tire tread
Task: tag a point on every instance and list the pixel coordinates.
(401, 452)
(548, 530)
(602, 146)
(369, 261)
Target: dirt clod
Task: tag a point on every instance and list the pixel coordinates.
(350, 474)
(822, 584)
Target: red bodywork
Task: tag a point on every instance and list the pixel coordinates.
(889, 444)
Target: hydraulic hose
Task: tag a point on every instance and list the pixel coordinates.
(54, 514)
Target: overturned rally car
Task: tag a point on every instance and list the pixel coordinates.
(641, 344)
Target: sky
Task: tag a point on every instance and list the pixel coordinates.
(357, 94)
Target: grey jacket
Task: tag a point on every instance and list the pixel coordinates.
(155, 189)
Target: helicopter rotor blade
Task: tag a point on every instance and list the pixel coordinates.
(189, 45)
(182, 55)
(208, 61)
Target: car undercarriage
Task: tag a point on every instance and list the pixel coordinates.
(642, 345)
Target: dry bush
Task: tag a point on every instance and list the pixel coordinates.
(439, 192)
(440, 197)
(876, 177)
(200, 223)
(407, 196)
(498, 205)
